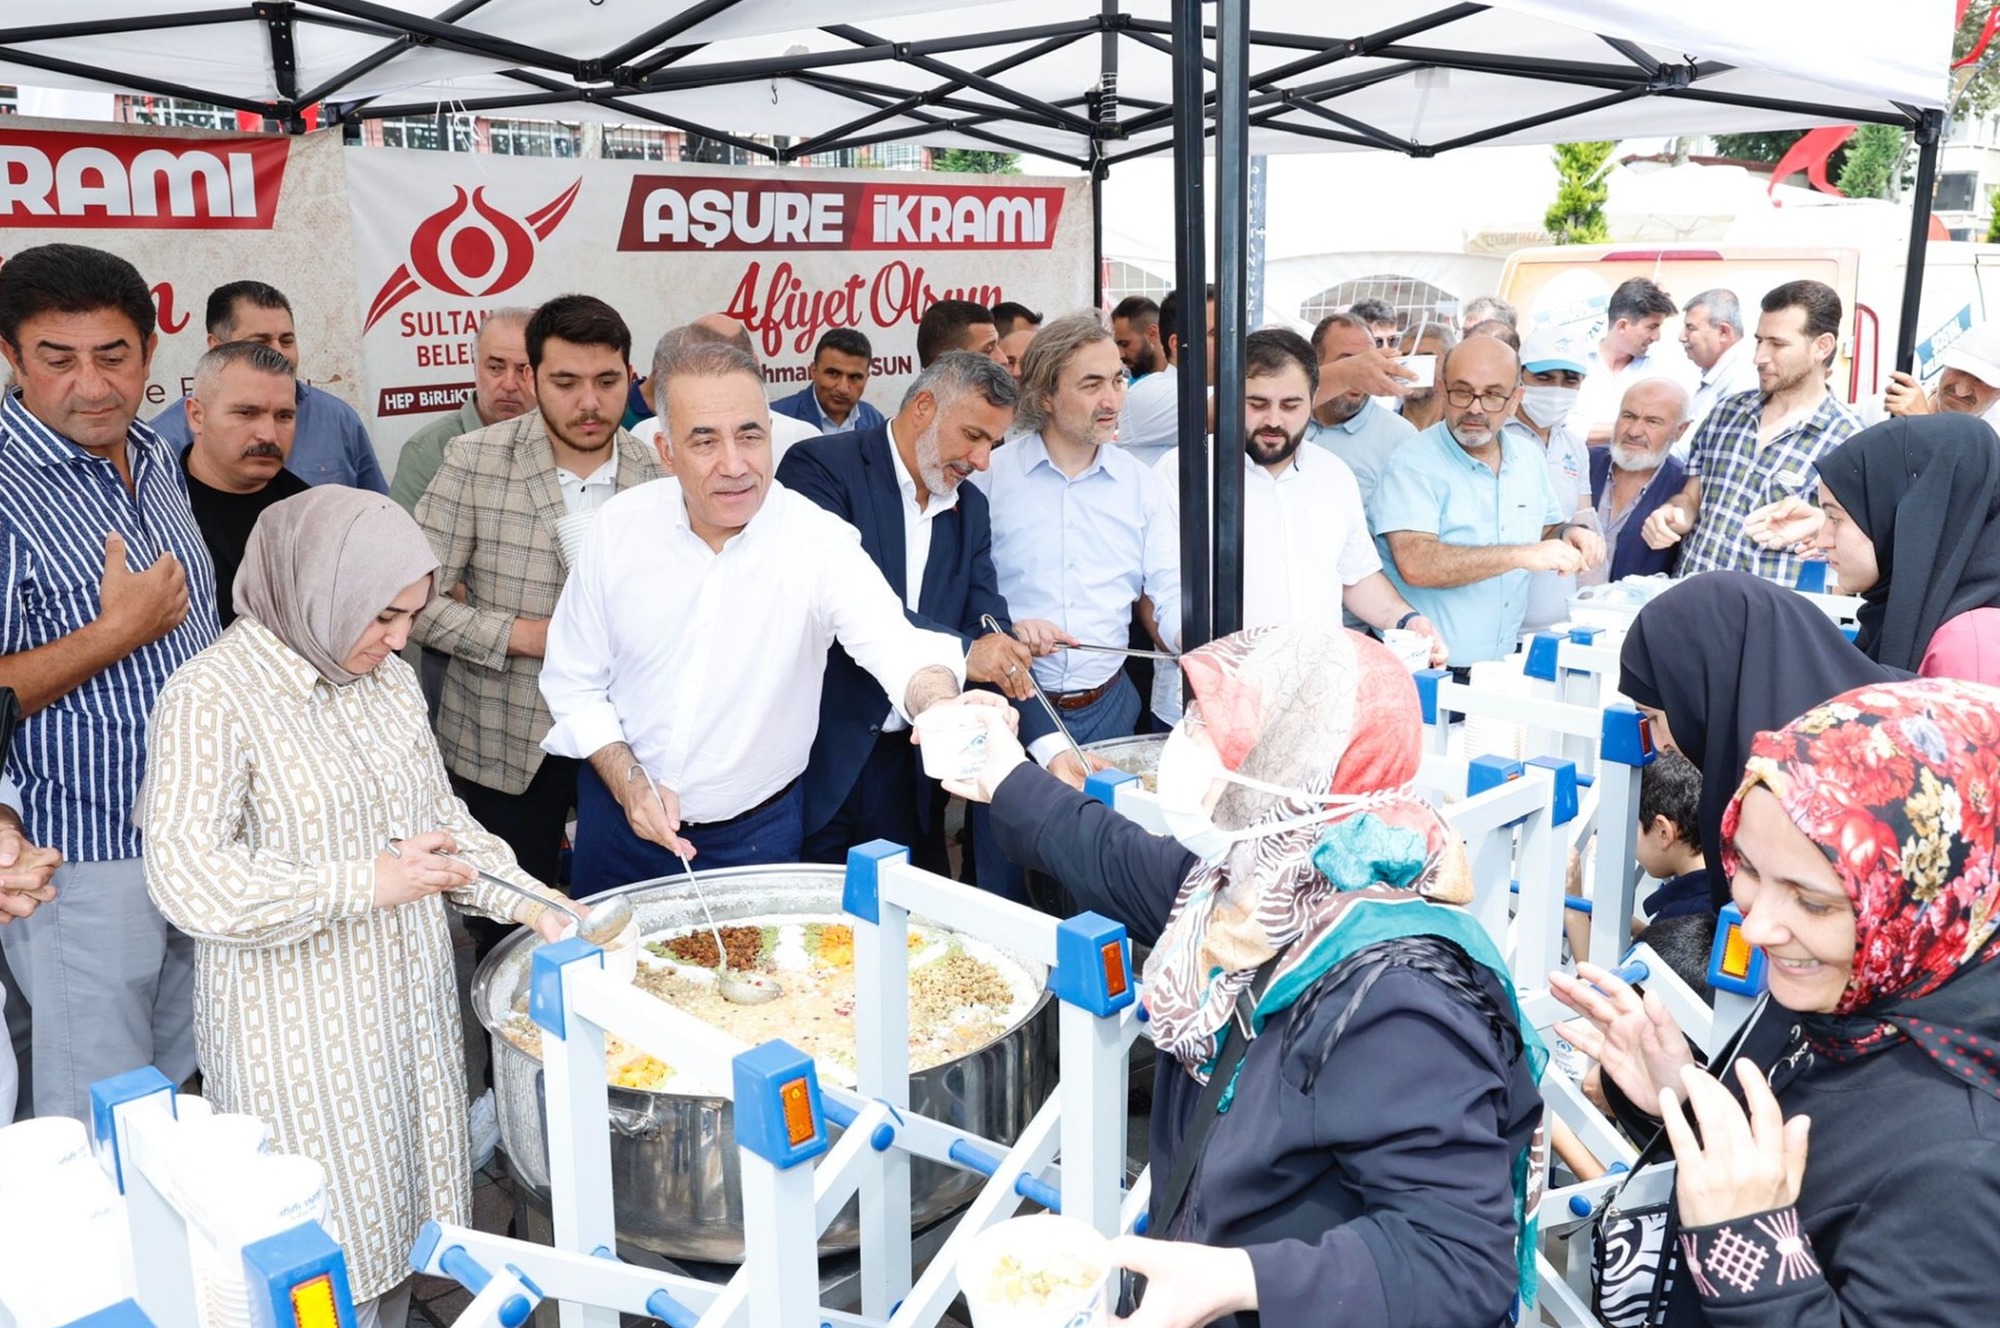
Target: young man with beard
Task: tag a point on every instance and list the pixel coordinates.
(901, 485)
(1761, 447)
(1303, 517)
(241, 414)
(1464, 513)
(505, 515)
(1352, 426)
(1136, 328)
(1633, 476)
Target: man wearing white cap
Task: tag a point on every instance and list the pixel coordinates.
(1969, 385)
(1554, 365)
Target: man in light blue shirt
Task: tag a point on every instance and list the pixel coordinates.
(1464, 514)
(331, 445)
(1080, 531)
(1351, 425)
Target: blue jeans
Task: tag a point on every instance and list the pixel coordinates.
(1111, 715)
(608, 854)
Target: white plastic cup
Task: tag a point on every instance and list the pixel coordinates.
(1042, 1243)
(621, 952)
(31, 1151)
(953, 740)
(1412, 649)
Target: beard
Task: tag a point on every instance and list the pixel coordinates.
(1635, 460)
(1341, 409)
(930, 464)
(1473, 437)
(1267, 451)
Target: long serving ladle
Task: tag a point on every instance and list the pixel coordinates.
(992, 624)
(736, 988)
(600, 926)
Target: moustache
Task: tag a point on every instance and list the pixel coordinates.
(270, 450)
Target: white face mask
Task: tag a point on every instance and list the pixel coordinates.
(1188, 770)
(1547, 405)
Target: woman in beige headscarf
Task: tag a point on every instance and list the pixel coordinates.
(284, 760)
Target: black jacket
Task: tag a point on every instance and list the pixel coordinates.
(1900, 1202)
(1382, 1198)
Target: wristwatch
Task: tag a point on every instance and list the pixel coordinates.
(1408, 618)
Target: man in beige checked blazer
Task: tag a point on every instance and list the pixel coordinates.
(505, 514)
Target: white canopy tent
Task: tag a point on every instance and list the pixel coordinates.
(1091, 84)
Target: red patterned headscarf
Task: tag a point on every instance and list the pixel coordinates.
(1899, 786)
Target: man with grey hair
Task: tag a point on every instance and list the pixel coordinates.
(687, 654)
(1712, 336)
(241, 416)
(901, 485)
(1081, 530)
(503, 387)
(714, 329)
(1489, 308)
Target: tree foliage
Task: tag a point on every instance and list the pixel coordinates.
(1874, 165)
(1577, 215)
(976, 163)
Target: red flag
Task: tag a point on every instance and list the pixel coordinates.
(1809, 154)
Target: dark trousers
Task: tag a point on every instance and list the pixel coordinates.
(890, 800)
(531, 822)
(607, 854)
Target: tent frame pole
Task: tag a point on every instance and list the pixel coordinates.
(1930, 139)
(1232, 224)
(1191, 280)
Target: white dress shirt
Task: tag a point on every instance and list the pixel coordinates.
(1080, 551)
(587, 493)
(1150, 424)
(916, 547)
(1305, 540)
(709, 664)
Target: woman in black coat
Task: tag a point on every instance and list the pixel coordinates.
(1861, 849)
(1367, 1161)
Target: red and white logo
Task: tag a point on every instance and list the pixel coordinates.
(55, 180)
(470, 249)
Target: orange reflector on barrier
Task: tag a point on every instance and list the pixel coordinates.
(1114, 969)
(797, 1101)
(312, 1304)
(1736, 954)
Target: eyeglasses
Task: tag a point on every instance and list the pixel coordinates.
(1465, 396)
(1390, 342)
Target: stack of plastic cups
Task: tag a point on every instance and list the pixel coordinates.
(1496, 737)
(260, 1196)
(212, 1149)
(65, 1248)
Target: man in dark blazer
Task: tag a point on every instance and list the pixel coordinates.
(901, 486)
(1637, 473)
(832, 402)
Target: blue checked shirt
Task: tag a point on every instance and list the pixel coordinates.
(1738, 477)
(79, 762)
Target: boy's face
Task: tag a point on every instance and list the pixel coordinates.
(1656, 848)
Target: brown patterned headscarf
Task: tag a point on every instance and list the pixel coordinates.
(321, 564)
(1314, 709)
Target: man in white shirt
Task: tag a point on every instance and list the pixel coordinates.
(1637, 311)
(1307, 552)
(1150, 424)
(1713, 338)
(686, 656)
(1554, 370)
(505, 514)
(25, 874)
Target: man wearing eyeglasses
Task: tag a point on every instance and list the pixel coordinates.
(1465, 514)
(1380, 318)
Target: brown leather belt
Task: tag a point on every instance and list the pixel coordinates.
(1078, 700)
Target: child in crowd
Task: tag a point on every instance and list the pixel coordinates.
(1670, 847)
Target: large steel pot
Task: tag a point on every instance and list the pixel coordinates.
(675, 1186)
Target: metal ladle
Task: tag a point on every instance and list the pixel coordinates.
(600, 926)
(736, 988)
(991, 624)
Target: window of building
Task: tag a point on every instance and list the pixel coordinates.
(898, 156)
(175, 113)
(531, 138)
(421, 131)
(1414, 301)
(10, 101)
(631, 143)
(1122, 279)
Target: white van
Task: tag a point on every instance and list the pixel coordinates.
(1571, 284)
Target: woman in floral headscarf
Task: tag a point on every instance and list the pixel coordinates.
(1365, 1160)
(1861, 849)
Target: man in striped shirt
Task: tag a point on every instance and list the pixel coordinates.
(105, 589)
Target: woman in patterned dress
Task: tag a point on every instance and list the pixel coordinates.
(1848, 1167)
(286, 759)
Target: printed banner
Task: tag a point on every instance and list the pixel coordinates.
(194, 210)
(789, 253)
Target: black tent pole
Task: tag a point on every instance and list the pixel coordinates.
(1930, 139)
(1107, 122)
(1232, 304)
(1191, 280)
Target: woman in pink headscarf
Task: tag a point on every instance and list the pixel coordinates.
(1346, 1100)
(1857, 1178)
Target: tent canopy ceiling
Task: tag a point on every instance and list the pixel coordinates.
(1413, 76)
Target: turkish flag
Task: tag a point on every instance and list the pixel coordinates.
(1809, 154)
